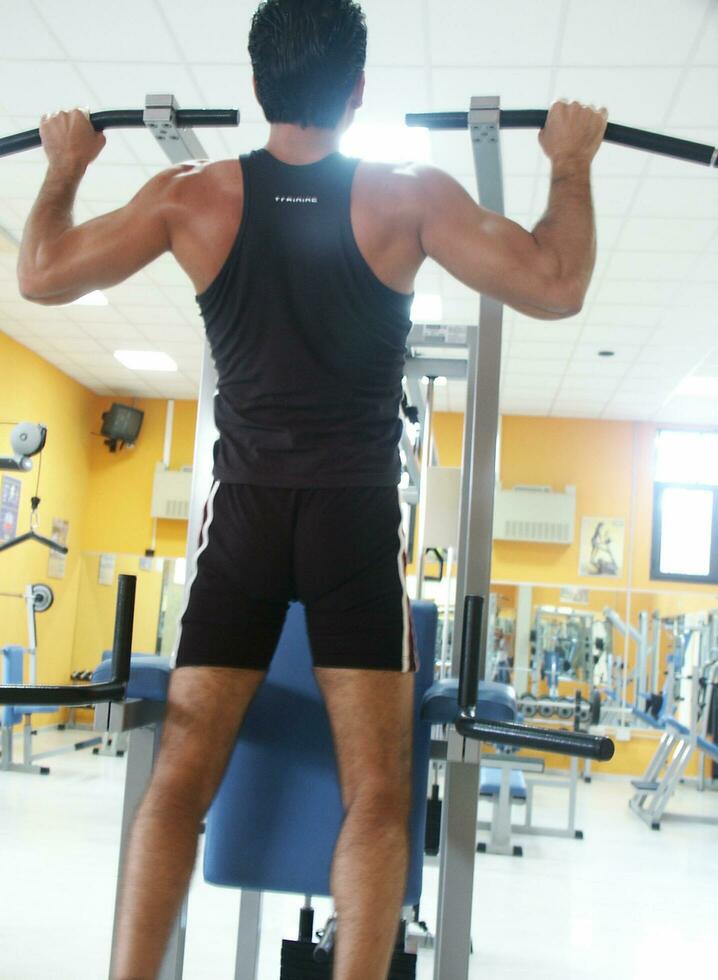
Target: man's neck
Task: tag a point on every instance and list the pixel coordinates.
(294, 145)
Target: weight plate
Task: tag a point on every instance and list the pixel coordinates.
(547, 709)
(527, 704)
(42, 597)
(595, 708)
(564, 708)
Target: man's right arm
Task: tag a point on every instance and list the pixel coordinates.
(544, 273)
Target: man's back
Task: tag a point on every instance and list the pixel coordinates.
(308, 339)
(205, 208)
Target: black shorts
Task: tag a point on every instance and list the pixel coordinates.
(338, 551)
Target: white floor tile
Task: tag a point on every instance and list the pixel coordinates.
(626, 903)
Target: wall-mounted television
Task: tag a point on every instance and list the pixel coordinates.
(121, 426)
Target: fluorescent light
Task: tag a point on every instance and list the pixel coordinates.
(95, 298)
(145, 360)
(696, 386)
(387, 144)
(427, 308)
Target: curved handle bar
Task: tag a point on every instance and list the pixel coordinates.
(639, 139)
(126, 119)
(596, 747)
(112, 690)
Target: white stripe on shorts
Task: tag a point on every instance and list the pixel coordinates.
(406, 632)
(203, 542)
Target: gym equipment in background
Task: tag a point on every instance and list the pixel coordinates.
(28, 439)
(22, 701)
(683, 738)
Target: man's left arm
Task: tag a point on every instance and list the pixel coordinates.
(58, 261)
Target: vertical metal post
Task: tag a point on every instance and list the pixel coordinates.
(205, 437)
(461, 792)
(246, 964)
(426, 437)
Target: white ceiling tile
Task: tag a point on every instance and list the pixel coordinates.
(452, 88)
(640, 32)
(634, 96)
(593, 371)
(46, 86)
(220, 37)
(607, 229)
(160, 333)
(388, 22)
(613, 196)
(155, 315)
(540, 350)
(704, 269)
(649, 265)
(549, 368)
(563, 332)
(613, 160)
(624, 353)
(133, 294)
(227, 86)
(109, 182)
(675, 358)
(24, 35)
(635, 293)
(677, 197)
(166, 272)
(130, 31)
(487, 33)
(112, 335)
(390, 93)
(698, 296)
(518, 194)
(622, 315)
(679, 234)
(696, 103)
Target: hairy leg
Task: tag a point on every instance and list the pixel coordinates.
(206, 707)
(371, 718)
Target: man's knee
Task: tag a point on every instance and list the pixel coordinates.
(383, 804)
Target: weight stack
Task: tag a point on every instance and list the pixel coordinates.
(297, 964)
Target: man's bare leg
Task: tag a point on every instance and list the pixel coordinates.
(371, 717)
(206, 707)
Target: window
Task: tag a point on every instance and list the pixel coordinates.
(685, 507)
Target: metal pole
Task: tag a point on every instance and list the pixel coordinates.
(426, 436)
(461, 791)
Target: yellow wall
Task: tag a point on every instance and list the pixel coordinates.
(603, 460)
(33, 390)
(106, 499)
(118, 511)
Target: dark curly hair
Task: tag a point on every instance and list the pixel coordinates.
(307, 56)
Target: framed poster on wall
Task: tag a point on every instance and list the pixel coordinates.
(602, 546)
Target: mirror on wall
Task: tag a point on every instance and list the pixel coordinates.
(158, 604)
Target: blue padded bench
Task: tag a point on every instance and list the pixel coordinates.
(149, 675)
(648, 719)
(274, 822)
(12, 673)
(496, 702)
(491, 783)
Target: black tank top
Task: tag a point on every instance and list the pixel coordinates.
(308, 343)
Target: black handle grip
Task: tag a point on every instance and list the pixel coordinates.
(75, 696)
(125, 119)
(596, 747)
(470, 651)
(638, 139)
